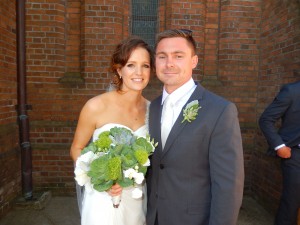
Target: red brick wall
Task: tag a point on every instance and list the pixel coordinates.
(73, 19)
(68, 42)
(228, 37)
(246, 49)
(188, 14)
(280, 64)
(48, 51)
(10, 180)
(238, 67)
(211, 44)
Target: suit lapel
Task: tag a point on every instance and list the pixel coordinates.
(178, 126)
(154, 121)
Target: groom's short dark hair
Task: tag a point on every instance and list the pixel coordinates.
(184, 33)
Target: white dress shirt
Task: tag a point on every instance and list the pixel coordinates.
(179, 97)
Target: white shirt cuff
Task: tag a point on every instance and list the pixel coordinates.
(279, 146)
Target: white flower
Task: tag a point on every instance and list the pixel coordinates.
(136, 193)
(147, 163)
(89, 187)
(130, 173)
(82, 167)
(138, 178)
(86, 158)
(81, 176)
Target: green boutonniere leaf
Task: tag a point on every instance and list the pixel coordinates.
(190, 112)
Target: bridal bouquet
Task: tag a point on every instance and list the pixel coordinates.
(117, 156)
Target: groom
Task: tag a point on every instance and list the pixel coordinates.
(197, 172)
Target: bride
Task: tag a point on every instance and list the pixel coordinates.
(132, 64)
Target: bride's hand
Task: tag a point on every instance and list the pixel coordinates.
(115, 190)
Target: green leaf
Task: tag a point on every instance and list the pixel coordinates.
(90, 147)
(143, 169)
(142, 143)
(103, 187)
(128, 161)
(98, 169)
(122, 135)
(115, 151)
(126, 182)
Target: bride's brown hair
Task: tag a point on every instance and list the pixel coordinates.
(122, 54)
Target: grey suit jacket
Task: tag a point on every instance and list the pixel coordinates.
(198, 178)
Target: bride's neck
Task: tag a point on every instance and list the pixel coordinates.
(131, 98)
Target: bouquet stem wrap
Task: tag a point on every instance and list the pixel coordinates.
(116, 201)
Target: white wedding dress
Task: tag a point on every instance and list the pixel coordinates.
(97, 207)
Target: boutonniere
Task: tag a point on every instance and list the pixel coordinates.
(190, 112)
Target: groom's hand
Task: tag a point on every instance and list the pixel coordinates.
(115, 190)
(284, 152)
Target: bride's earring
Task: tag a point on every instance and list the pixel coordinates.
(120, 77)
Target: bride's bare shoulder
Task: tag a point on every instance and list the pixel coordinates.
(99, 102)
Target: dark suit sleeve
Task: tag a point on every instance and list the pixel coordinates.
(226, 168)
(272, 114)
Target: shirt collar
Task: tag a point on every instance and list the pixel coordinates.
(179, 92)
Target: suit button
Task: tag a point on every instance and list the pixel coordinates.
(161, 166)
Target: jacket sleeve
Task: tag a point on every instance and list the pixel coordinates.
(273, 113)
(226, 168)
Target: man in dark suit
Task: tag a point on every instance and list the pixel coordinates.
(197, 174)
(285, 143)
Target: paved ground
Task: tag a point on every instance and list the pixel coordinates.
(64, 211)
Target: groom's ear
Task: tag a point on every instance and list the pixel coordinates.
(194, 61)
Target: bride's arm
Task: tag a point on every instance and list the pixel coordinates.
(84, 130)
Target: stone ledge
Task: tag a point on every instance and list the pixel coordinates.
(39, 201)
(72, 78)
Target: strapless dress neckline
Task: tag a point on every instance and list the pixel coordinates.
(119, 125)
(141, 131)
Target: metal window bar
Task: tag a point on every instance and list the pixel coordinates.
(144, 19)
